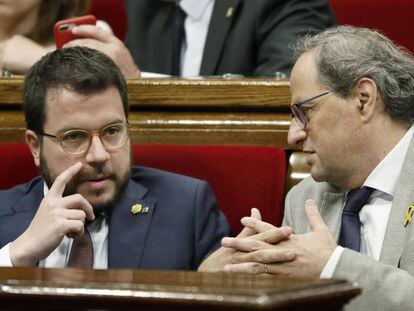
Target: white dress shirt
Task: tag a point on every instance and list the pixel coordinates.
(374, 215)
(59, 257)
(196, 28)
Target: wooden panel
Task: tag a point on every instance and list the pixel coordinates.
(218, 93)
(183, 111)
(73, 289)
(176, 92)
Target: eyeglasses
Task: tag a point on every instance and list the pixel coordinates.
(78, 141)
(299, 113)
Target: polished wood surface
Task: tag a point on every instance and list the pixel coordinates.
(189, 112)
(74, 289)
(185, 111)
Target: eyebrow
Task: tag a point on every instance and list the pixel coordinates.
(67, 128)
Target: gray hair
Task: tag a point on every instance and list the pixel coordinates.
(345, 54)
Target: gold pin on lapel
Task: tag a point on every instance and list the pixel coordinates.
(408, 215)
(229, 12)
(136, 208)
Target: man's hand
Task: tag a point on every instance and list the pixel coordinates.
(99, 39)
(56, 217)
(225, 255)
(310, 251)
(216, 261)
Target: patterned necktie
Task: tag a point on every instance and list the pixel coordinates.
(81, 253)
(350, 235)
(178, 33)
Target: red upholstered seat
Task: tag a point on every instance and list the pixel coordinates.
(112, 12)
(393, 17)
(241, 177)
(16, 165)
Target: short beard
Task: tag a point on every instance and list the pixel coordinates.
(104, 209)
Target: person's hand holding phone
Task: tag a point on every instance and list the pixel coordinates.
(92, 36)
(63, 29)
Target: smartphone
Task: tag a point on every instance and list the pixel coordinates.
(63, 29)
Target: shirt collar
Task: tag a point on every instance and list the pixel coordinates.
(194, 8)
(385, 175)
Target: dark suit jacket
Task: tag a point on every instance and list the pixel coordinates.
(183, 224)
(253, 40)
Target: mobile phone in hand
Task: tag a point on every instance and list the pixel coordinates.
(63, 29)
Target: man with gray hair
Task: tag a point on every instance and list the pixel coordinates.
(353, 110)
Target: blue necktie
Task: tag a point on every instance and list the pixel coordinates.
(350, 235)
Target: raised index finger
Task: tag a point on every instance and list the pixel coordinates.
(61, 181)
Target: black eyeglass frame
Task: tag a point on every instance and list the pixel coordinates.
(59, 138)
(299, 114)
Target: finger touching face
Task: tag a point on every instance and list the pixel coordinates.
(63, 179)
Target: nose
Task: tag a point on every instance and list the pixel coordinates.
(97, 154)
(296, 135)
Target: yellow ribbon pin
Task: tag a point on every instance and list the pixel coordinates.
(408, 215)
(229, 12)
(136, 208)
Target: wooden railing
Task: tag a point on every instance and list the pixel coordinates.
(74, 289)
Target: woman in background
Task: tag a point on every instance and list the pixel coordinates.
(26, 30)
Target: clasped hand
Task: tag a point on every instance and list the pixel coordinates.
(272, 250)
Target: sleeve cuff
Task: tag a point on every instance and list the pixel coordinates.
(5, 260)
(330, 266)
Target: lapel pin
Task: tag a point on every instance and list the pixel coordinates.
(408, 215)
(136, 208)
(229, 12)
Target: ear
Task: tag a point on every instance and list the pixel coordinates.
(32, 140)
(367, 99)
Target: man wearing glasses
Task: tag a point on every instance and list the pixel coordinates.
(89, 208)
(353, 113)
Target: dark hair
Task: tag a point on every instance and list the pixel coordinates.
(51, 11)
(80, 69)
(345, 54)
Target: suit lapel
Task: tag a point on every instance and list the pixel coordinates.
(331, 211)
(14, 221)
(224, 12)
(127, 231)
(396, 233)
(161, 28)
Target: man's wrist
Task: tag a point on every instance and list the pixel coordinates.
(20, 256)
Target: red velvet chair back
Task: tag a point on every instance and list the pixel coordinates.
(112, 12)
(393, 17)
(241, 177)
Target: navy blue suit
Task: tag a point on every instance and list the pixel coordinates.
(182, 226)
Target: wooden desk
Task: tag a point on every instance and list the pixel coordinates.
(73, 289)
